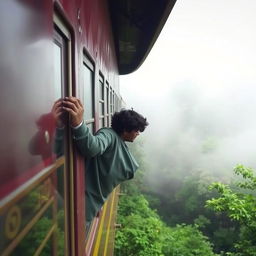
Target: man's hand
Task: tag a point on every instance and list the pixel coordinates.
(58, 113)
(75, 108)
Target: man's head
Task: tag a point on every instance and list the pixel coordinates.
(128, 123)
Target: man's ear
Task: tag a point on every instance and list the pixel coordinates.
(123, 134)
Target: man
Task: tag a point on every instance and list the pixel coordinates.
(109, 161)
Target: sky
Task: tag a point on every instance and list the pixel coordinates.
(199, 81)
(211, 43)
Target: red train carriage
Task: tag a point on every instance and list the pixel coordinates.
(52, 49)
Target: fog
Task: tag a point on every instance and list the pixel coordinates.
(197, 89)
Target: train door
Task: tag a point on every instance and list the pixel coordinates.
(64, 175)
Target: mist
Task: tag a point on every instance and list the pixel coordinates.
(197, 89)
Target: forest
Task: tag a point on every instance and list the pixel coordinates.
(193, 214)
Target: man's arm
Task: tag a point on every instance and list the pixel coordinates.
(88, 144)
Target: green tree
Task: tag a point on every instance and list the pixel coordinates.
(240, 205)
(143, 233)
(186, 240)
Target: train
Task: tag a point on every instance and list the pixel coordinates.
(50, 50)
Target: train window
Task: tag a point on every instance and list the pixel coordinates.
(88, 72)
(101, 101)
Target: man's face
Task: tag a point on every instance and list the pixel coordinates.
(130, 136)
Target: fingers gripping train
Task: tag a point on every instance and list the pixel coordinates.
(58, 113)
(70, 105)
(75, 108)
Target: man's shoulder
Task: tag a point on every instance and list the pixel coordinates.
(108, 131)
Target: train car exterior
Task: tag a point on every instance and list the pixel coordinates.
(50, 50)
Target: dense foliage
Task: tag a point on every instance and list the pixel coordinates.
(184, 202)
(240, 205)
(143, 233)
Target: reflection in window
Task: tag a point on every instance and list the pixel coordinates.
(42, 226)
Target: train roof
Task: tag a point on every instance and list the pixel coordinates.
(136, 26)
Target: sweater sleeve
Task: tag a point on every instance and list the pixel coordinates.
(91, 145)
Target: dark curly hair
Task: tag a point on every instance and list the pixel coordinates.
(128, 120)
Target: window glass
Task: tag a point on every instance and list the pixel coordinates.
(101, 123)
(88, 93)
(111, 101)
(101, 96)
(116, 103)
(107, 94)
(107, 105)
(57, 70)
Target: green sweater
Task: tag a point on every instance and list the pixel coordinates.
(109, 163)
